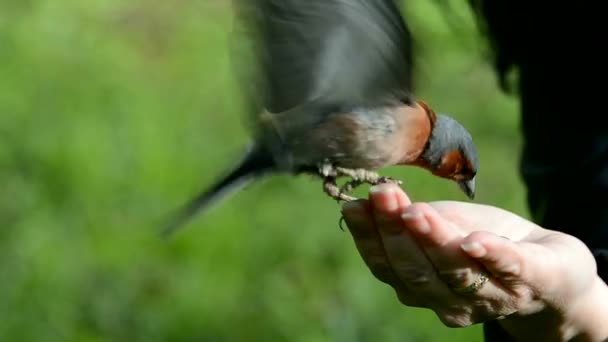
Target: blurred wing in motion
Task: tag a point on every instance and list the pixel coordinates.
(343, 53)
(300, 60)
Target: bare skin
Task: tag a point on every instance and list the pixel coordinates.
(543, 284)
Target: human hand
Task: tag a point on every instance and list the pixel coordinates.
(426, 250)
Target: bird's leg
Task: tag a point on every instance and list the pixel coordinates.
(350, 185)
(365, 176)
(331, 188)
(326, 169)
(328, 172)
(329, 175)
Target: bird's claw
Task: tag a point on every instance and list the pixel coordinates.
(350, 185)
(383, 180)
(331, 188)
(358, 177)
(340, 222)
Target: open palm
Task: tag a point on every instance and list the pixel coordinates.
(427, 250)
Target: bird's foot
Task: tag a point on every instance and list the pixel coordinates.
(327, 169)
(330, 173)
(331, 188)
(361, 176)
(350, 186)
(389, 180)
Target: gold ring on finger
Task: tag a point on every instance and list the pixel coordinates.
(475, 286)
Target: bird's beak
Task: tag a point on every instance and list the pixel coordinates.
(468, 187)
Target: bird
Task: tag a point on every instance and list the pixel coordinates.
(329, 93)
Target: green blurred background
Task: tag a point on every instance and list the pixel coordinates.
(112, 113)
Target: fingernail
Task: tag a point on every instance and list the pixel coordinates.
(408, 215)
(381, 188)
(420, 224)
(473, 248)
(387, 190)
(352, 209)
(351, 206)
(512, 269)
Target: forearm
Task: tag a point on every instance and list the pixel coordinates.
(585, 320)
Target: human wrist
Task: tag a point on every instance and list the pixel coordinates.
(582, 319)
(588, 319)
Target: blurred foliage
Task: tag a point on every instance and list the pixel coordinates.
(112, 113)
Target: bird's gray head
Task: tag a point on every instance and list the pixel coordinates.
(451, 153)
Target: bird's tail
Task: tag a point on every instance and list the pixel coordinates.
(255, 163)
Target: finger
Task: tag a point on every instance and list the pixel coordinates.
(429, 227)
(360, 223)
(389, 200)
(510, 266)
(529, 268)
(407, 260)
(502, 257)
(440, 241)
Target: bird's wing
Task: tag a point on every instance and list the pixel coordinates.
(345, 53)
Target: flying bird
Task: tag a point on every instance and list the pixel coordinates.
(328, 87)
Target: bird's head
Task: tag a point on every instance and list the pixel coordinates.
(450, 153)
